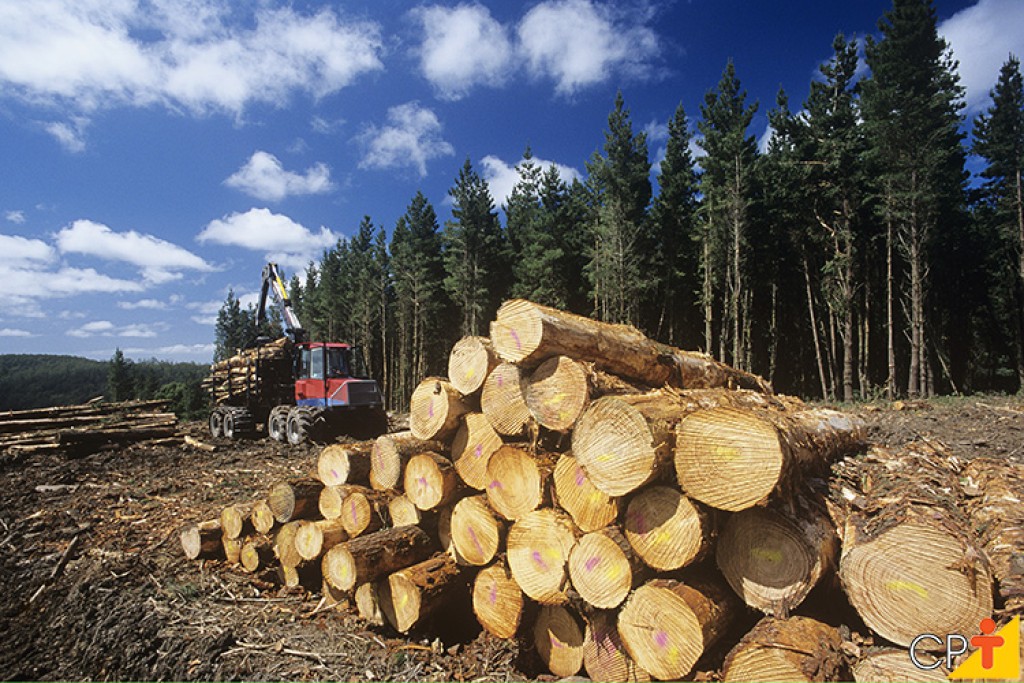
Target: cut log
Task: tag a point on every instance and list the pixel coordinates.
(498, 600)
(332, 499)
(527, 333)
(895, 666)
(232, 549)
(365, 512)
(538, 552)
(558, 637)
(472, 448)
(435, 409)
(603, 568)
(666, 529)
(262, 517)
(370, 557)
(284, 544)
(305, 574)
(368, 604)
(344, 464)
(666, 625)
(503, 403)
(332, 597)
(414, 593)
(994, 490)
(235, 520)
(604, 656)
(475, 530)
(773, 557)
(390, 454)
(909, 562)
(403, 511)
(293, 500)
(202, 540)
(733, 459)
(590, 508)
(518, 483)
(256, 554)
(556, 393)
(783, 650)
(470, 361)
(431, 481)
(313, 539)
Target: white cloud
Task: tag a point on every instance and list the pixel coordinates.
(501, 177)
(462, 47)
(982, 38)
(578, 43)
(201, 351)
(23, 252)
(159, 260)
(412, 137)
(43, 284)
(71, 135)
(105, 328)
(264, 177)
(16, 217)
(9, 332)
(199, 55)
(150, 304)
(262, 230)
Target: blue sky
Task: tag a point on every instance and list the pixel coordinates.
(157, 152)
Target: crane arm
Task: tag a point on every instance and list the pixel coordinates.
(272, 282)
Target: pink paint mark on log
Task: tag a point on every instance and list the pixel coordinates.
(476, 541)
(495, 485)
(661, 638)
(581, 477)
(591, 563)
(334, 473)
(430, 408)
(539, 560)
(501, 380)
(423, 482)
(479, 450)
(352, 510)
(494, 595)
(639, 523)
(554, 641)
(519, 344)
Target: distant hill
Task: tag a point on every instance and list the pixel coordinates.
(38, 380)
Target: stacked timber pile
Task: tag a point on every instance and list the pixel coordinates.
(79, 428)
(266, 369)
(621, 506)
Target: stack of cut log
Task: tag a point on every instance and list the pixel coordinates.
(621, 505)
(262, 370)
(75, 429)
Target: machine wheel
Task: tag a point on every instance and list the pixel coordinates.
(277, 424)
(229, 426)
(299, 422)
(216, 424)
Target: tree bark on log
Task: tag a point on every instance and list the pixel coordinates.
(497, 600)
(414, 593)
(526, 333)
(472, 448)
(894, 665)
(909, 561)
(773, 556)
(503, 403)
(476, 532)
(666, 625)
(202, 540)
(367, 558)
(344, 464)
(435, 409)
(784, 650)
(518, 483)
(666, 529)
(538, 553)
(590, 508)
(603, 568)
(558, 637)
(470, 361)
(604, 656)
(390, 454)
(293, 500)
(430, 481)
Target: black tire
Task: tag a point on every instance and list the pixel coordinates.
(277, 424)
(216, 424)
(229, 426)
(299, 421)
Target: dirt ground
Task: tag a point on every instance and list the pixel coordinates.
(94, 585)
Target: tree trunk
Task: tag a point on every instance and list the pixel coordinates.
(497, 600)
(411, 594)
(666, 625)
(814, 331)
(470, 361)
(909, 563)
(890, 296)
(502, 401)
(472, 448)
(344, 464)
(202, 541)
(666, 529)
(431, 481)
(604, 656)
(390, 454)
(590, 508)
(603, 568)
(558, 637)
(435, 409)
(367, 558)
(298, 499)
(527, 333)
(518, 483)
(787, 650)
(538, 552)
(476, 532)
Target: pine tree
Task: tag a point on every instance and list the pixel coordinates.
(727, 189)
(364, 275)
(235, 328)
(474, 252)
(120, 379)
(999, 139)
(911, 106)
(532, 224)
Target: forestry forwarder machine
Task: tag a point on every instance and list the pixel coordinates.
(327, 389)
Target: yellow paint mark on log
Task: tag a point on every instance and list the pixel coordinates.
(899, 585)
(766, 554)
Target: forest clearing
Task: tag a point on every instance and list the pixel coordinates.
(99, 586)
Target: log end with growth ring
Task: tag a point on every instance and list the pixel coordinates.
(517, 330)
(538, 550)
(515, 483)
(556, 392)
(600, 570)
(666, 529)
(476, 533)
(502, 400)
(591, 509)
(614, 444)
(430, 480)
(497, 600)
(783, 650)
(472, 448)
(727, 458)
(435, 409)
(469, 362)
(558, 638)
(604, 656)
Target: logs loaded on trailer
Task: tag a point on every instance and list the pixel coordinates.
(629, 510)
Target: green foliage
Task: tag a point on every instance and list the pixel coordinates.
(120, 378)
